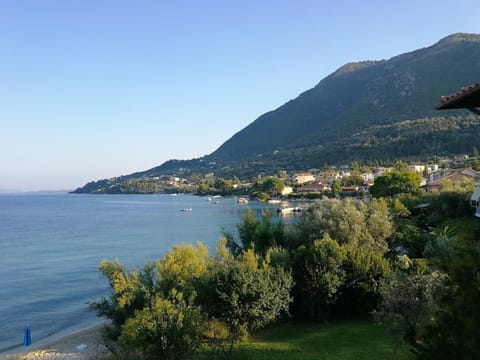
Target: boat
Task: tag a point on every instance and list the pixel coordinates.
(242, 200)
(216, 203)
(289, 210)
(209, 198)
(274, 201)
(186, 209)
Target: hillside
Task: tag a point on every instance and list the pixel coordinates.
(360, 95)
(371, 110)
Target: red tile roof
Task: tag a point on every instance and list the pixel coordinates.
(468, 97)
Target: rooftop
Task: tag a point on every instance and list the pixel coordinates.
(468, 97)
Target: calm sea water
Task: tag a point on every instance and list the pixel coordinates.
(51, 245)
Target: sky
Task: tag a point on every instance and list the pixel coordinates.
(92, 89)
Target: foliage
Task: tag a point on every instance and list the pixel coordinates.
(273, 186)
(130, 292)
(182, 268)
(256, 234)
(454, 330)
(170, 328)
(319, 274)
(396, 182)
(250, 294)
(408, 297)
(349, 222)
(365, 270)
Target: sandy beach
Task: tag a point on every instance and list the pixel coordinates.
(82, 345)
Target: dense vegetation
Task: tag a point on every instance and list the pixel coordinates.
(411, 258)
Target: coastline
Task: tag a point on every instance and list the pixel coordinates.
(83, 344)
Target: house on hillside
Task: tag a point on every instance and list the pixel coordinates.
(314, 187)
(454, 177)
(302, 178)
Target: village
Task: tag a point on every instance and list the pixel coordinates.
(346, 180)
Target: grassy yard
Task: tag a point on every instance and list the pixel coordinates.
(356, 340)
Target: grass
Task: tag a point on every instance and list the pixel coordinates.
(354, 339)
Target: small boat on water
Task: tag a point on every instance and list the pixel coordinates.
(274, 201)
(242, 200)
(289, 210)
(186, 209)
(209, 198)
(216, 203)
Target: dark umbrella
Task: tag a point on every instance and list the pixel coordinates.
(27, 339)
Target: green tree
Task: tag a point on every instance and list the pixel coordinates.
(355, 166)
(349, 222)
(182, 268)
(475, 152)
(319, 275)
(273, 186)
(408, 297)
(454, 330)
(130, 292)
(396, 182)
(222, 185)
(250, 294)
(336, 187)
(256, 234)
(365, 270)
(169, 328)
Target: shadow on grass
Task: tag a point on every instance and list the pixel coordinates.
(355, 339)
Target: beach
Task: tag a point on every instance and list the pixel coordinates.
(82, 345)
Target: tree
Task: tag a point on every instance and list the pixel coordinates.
(223, 185)
(349, 222)
(408, 297)
(182, 268)
(396, 182)
(250, 294)
(169, 328)
(130, 292)
(454, 330)
(319, 274)
(336, 187)
(256, 234)
(365, 270)
(273, 186)
(475, 152)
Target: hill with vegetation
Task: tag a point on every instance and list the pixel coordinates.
(371, 111)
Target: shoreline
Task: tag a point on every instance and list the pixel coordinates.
(83, 344)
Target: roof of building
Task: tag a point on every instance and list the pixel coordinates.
(468, 97)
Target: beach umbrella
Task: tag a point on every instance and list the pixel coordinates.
(27, 339)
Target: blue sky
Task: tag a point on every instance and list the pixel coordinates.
(96, 89)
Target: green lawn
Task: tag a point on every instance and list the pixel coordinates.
(356, 340)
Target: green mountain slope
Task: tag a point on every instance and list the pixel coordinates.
(360, 95)
(372, 110)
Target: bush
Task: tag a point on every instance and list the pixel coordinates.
(170, 328)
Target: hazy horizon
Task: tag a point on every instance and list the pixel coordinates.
(92, 90)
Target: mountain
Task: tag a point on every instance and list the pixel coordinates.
(370, 110)
(361, 95)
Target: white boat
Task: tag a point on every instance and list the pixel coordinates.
(186, 209)
(289, 210)
(242, 200)
(274, 201)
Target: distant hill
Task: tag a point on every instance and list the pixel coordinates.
(371, 110)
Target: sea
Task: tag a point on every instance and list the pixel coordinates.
(51, 246)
